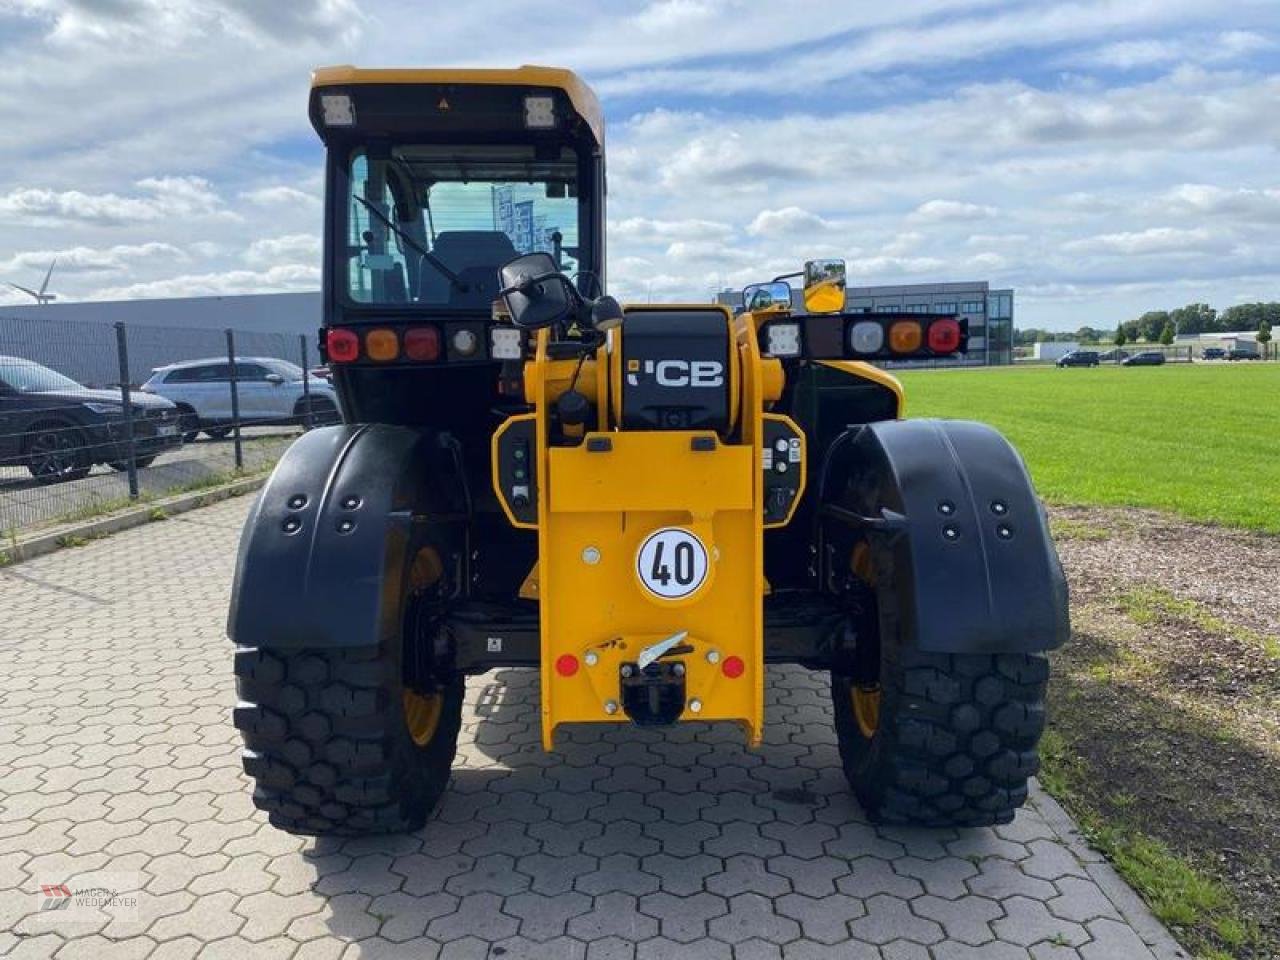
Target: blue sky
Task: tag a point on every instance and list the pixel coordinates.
(1102, 158)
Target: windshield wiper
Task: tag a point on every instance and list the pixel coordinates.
(427, 254)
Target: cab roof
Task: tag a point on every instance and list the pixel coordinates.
(581, 96)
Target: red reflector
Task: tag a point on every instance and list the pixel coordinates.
(944, 336)
(422, 343)
(343, 346)
(734, 667)
(567, 665)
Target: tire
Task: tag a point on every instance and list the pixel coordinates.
(188, 423)
(954, 741)
(327, 741)
(55, 451)
(123, 465)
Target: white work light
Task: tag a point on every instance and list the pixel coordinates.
(505, 343)
(866, 337)
(783, 339)
(539, 113)
(338, 110)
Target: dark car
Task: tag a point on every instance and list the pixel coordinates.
(1243, 353)
(59, 429)
(1148, 358)
(1213, 353)
(1114, 356)
(1078, 358)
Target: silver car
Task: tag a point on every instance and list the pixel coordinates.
(269, 391)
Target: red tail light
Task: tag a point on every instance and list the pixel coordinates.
(944, 336)
(422, 343)
(342, 346)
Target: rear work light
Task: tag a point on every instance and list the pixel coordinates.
(422, 344)
(342, 346)
(505, 343)
(337, 109)
(381, 344)
(905, 336)
(783, 339)
(944, 336)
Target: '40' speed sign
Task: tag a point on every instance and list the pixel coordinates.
(672, 563)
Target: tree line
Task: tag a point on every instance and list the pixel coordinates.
(1163, 325)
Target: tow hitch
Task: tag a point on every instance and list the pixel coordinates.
(653, 696)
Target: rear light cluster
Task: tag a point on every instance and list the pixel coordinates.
(422, 344)
(886, 337)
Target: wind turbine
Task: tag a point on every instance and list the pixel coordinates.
(41, 296)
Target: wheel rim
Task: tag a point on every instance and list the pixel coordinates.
(49, 455)
(422, 711)
(422, 716)
(866, 709)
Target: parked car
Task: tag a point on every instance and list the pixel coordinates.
(59, 429)
(268, 391)
(1113, 356)
(1213, 353)
(1148, 358)
(1078, 358)
(1243, 353)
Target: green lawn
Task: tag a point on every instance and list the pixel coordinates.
(1200, 440)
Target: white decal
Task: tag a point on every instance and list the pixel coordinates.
(672, 563)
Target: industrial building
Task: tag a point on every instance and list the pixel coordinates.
(257, 312)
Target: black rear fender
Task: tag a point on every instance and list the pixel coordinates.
(953, 524)
(325, 552)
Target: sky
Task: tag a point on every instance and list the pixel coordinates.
(1102, 158)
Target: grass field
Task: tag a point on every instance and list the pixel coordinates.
(1200, 440)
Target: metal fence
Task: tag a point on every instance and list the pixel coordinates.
(96, 416)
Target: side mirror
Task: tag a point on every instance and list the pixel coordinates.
(824, 286)
(767, 296)
(537, 294)
(274, 378)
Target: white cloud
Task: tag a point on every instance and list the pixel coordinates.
(1150, 241)
(939, 211)
(157, 198)
(116, 259)
(920, 140)
(649, 229)
(788, 220)
(280, 196)
(280, 279)
(1242, 203)
(1224, 47)
(304, 247)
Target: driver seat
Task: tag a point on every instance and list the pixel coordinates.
(475, 256)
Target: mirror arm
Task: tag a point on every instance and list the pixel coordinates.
(787, 276)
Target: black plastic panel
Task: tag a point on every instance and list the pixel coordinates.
(675, 370)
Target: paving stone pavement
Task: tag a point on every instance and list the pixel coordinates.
(117, 754)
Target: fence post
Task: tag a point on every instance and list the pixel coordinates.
(235, 398)
(308, 418)
(126, 406)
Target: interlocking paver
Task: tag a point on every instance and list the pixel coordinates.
(623, 845)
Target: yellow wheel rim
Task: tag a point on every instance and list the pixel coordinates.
(422, 716)
(866, 709)
(422, 713)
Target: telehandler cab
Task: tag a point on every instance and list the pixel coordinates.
(647, 503)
